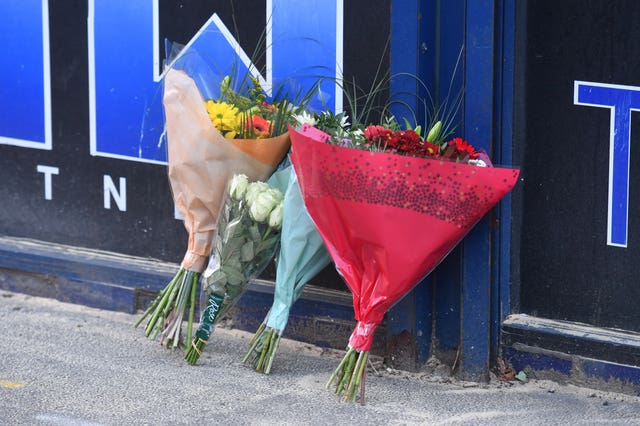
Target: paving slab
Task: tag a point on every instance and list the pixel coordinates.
(66, 364)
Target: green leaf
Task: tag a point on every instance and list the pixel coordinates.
(231, 249)
(234, 227)
(217, 279)
(233, 263)
(233, 291)
(246, 252)
(268, 244)
(254, 233)
(234, 275)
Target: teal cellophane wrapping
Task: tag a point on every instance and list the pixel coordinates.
(302, 255)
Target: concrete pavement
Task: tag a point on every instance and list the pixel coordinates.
(64, 364)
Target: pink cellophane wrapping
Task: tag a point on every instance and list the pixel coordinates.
(388, 220)
(202, 161)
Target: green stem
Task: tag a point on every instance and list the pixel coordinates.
(258, 332)
(267, 342)
(354, 382)
(193, 353)
(348, 392)
(177, 310)
(363, 377)
(155, 333)
(173, 296)
(208, 319)
(346, 373)
(272, 353)
(257, 338)
(339, 367)
(192, 307)
(160, 308)
(152, 305)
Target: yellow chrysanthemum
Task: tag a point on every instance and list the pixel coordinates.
(225, 117)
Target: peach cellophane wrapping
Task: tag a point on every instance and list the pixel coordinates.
(202, 161)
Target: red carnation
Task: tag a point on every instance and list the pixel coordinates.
(431, 149)
(408, 142)
(463, 147)
(378, 134)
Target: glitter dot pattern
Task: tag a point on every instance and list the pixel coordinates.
(388, 220)
(452, 192)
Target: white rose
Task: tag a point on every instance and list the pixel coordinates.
(238, 186)
(253, 189)
(263, 204)
(277, 194)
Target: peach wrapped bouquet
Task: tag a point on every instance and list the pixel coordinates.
(209, 141)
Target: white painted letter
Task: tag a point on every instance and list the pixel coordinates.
(119, 196)
(48, 171)
(621, 101)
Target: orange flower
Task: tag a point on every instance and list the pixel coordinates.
(260, 127)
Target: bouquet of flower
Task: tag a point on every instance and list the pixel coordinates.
(209, 142)
(302, 256)
(390, 205)
(248, 117)
(247, 239)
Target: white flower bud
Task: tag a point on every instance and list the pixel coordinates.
(275, 218)
(238, 186)
(434, 133)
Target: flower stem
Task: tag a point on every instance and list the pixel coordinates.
(176, 310)
(334, 375)
(165, 305)
(164, 302)
(152, 305)
(209, 316)
(195, 350)
(346, 373)
(349, 375)
(356, 377)
(253, 339)
(192, 308)
(273, 349)
(265, 347)
(364, 376)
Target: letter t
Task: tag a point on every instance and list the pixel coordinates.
(48, 171)
(621, 100)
